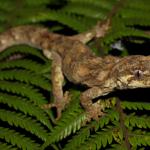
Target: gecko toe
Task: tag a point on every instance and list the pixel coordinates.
(59, 105)
(95, 112)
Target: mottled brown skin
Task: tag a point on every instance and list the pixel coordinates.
(74, 60)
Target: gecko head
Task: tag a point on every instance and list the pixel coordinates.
(135, 73)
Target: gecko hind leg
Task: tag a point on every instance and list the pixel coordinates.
(59, 105)
(60, 99)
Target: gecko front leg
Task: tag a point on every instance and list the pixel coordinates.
(93, 110)
(60, 99)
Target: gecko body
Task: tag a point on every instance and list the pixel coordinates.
(74, 60)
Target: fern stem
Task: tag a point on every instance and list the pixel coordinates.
(122, 125)
(115, 9)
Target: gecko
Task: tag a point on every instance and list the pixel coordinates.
(74, 60)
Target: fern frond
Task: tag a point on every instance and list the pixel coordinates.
(6, 5)
(22, 49)
(138, 5)
(132, 21)
(24, 122)
(124, 24)
(17, 139)
(71, 121)
(24, 82)
(102, 3)
(135, 105)
(67, 126)
(92, 9)
(5, 146)
(98, 140)
(38, 2)
(27, 77)
(27, 64)
(77, 23)
(137, 121)
(118, 147)
(78, 139)
(132, 12)
(84, 133)
(137, 139)
(124, 32)
(2, 16)
(23, 90)
(85, 9)
(26, 107)
(111, 115)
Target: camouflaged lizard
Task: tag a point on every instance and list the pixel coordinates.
(74, 60)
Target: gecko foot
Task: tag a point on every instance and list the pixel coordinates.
(94, 112)
(59, 105)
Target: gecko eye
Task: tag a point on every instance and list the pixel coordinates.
(138, 74)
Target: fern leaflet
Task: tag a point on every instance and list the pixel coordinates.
(17, 139)
(71, 121)
(27, 64)
(23, 90)
(19, 120)
(22, 49)
(136, 121)
(27, 107)
(26, 77)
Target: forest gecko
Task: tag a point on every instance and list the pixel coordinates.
(74, 60)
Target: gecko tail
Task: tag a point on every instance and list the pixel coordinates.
(28, 34)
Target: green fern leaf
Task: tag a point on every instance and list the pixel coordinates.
(38, 2)
(98, 140)
(20, 120)
(26, 64)
(132, 21)
(92, 9)
(71, 121)
(6, 5)
(137, 139)
(85, 9)
(84, 133)
(16, 139)
(110, 116)
(2, 16)
(101, 3)
(5, 146)
(135, 105)
(77, 23)
(138, 5)
(27, 77)
(136, 121)
(123, 32)
(78, 139)
(26, 107)
(135, 13)
(118, 147)
(23, 90)
(22, 49)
